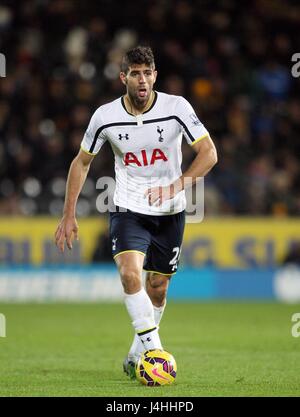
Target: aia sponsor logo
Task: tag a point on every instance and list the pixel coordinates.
(143, 158)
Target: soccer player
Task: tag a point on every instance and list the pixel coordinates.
(144, 128)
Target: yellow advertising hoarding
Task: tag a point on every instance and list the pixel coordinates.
(224, 242)
(240, 242)
(31, 240)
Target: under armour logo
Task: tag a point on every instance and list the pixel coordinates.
(126, 136)
(159, 130)
(114, 243)
(147, 340)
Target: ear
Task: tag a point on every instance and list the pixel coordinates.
(155, 76)
(123, 78)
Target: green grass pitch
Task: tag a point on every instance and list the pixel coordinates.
(221, 349)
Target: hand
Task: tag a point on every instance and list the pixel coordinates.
(158, 195)
(67, 230)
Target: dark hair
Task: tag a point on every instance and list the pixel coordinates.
(139, 55)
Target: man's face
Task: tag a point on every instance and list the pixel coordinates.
(139, 81)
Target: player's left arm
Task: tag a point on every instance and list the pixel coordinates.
(205, 159)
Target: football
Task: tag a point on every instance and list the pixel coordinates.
(156, 367)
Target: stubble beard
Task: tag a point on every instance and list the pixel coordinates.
(138, 102)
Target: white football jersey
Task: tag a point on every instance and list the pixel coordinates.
(147, 148)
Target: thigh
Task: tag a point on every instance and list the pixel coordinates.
(130, 266)
(130, 263)
(164, 251)
(128, 233)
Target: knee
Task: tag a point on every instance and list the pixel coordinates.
(158, 286)
(160, 294)
(131, 279)
(159, 282)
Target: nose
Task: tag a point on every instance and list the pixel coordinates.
(142, 78)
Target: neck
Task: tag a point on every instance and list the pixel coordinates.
(135, 109)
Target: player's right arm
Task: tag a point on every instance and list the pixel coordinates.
(67, 229)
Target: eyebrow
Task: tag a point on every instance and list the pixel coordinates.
(138, 71)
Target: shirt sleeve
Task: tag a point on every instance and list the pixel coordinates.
(191, 126)
(94, 136)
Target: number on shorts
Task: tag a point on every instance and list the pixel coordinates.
(174, 260)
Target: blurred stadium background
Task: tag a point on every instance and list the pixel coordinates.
(233, 62)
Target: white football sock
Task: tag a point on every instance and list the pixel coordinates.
(158, 312)
(141, 311)
(137, 346)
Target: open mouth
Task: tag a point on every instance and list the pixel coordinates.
(142, 92)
